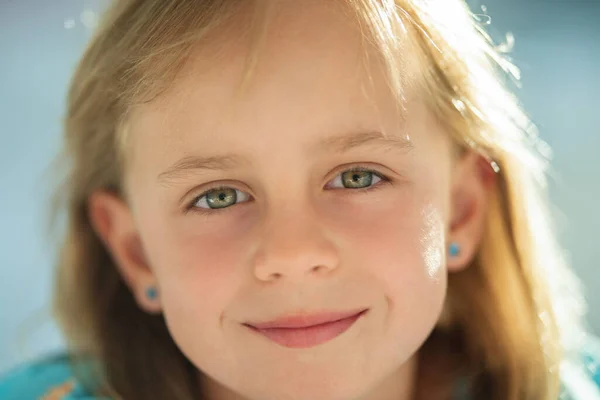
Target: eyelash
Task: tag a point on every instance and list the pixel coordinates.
(213, 211)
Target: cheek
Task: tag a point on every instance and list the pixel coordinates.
(199, 272)
(400, 250)
(404, 237)
(432, 241)
(197, 255)
(200, 275)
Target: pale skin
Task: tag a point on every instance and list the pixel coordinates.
(297, 239)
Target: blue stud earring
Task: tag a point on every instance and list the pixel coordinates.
(454, 249)
(151, 293)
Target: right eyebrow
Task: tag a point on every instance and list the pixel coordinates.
(347, 142)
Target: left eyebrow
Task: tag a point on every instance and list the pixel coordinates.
(347, 142)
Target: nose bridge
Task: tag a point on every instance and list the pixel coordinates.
(293, 243)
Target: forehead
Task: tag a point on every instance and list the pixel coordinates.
(315, 64)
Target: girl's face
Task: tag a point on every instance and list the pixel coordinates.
(247, 209)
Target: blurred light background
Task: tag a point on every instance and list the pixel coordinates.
(557, 47)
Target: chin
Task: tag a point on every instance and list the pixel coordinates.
(318, 389)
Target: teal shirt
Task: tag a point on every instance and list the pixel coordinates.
(52, 379)
(48, 377)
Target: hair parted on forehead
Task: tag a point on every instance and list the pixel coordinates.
(518, 307)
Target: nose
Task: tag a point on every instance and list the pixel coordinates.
(294, 245)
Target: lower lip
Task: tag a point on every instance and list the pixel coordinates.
(311, 336)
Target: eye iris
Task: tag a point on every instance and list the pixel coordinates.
(357, 179)
(221, 198)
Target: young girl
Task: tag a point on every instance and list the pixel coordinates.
(300, 200)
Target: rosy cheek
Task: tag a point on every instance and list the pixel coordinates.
(208, 256)
(196, 258)
(210, 241)
(202, 279)
(400, 241)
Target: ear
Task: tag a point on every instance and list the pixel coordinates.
(114, 224)
(472, 179)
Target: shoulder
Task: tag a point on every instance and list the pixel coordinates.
(591, 358)
(580, 377)
(47, 379)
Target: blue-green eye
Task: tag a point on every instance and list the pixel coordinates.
(220, 198)
(357, 178)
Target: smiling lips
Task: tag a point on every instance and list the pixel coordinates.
(303, 331)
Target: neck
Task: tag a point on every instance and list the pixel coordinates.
(440, 365)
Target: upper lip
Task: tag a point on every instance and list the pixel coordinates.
(304, 320)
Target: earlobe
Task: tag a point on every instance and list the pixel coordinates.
(151, 300)
(469, 201)
(114, 224)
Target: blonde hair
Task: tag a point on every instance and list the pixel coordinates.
(517, 308)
